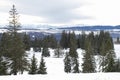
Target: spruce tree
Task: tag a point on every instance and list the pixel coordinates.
(33, 66)
(91, 38)
(16, 48)
(82, 40)
(67, 63)
(107, 53)
(73, 54)
(88, 60)
(52, 42)
(96, 42)
(73, 46)
(64, 40)
(109, 62)
(100, 41)
(45, 52)
(79, 41)
(42, 68)
(58, 51)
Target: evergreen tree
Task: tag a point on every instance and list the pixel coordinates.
(73, 46)
(58, 51)
(33, 66)
(109, 62)
(96, 42)
(45, 52)
(42, 68)
(16, 48)
(78, 41)
(88, 60)
(37, 44)
(82, 40)
(19, 57)
(64, 40)
(67, 64)
(106, 50)
(105, 42)
(100, 41)
(73, 54)
(68, 44)
(52, 42)
(91, 39)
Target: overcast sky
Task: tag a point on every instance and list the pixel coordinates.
(63, 12)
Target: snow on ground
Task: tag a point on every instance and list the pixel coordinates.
(117, 50)
(80, 76)
(55, 69)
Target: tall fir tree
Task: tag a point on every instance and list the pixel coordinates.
(67, 63)
(42, 68)
(88, 60)
(108, 62)
(79, 41)
(73, 46)
(82, 40)
(33, 65)
(16, 49)
(107, 52)
(64, 40)
(73, 54)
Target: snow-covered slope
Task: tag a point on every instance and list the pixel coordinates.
(55, 69)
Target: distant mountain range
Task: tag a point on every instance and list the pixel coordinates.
(74, 27)
(42, 30)
(92, 28)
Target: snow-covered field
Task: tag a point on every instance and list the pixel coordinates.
(55, 70)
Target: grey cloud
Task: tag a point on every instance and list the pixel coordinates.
(58, 11)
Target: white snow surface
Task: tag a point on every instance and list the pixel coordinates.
(55, 69)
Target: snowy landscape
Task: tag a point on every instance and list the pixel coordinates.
(59, 40)
(55, 69)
